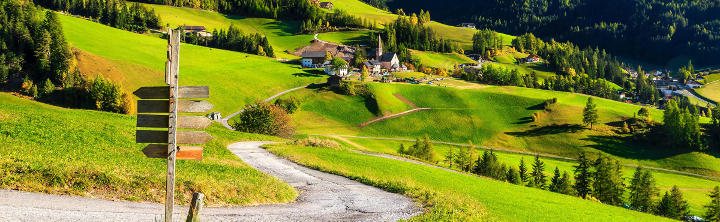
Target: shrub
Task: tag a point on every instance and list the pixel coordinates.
(353, 89)
(316, 142)
(47, 88)
(290, 105)
(33, 92)
(264, 118)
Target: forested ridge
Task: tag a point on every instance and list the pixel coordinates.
(654, 31)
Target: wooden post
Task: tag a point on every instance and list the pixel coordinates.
(195, 206)
(171, 75)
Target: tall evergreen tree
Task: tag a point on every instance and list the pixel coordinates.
(642, 190)
(523, 172)
(712, 209)
(672, 205)
(555, 181)
(590, 113)
(513, 176)
(608, 185)
(538, 173)
(583, 176)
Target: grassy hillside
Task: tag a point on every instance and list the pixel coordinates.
(441, 60)
(463, 36)
(235, 79)
(457, 197)
(693, 188)
(710, 91)
(88, 153)
(491, 116)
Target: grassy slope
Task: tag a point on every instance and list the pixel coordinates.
(235, 79)
(89, 153)
(441, 60)
(463, 36)
(694, 189)
(710, 91)
(491, 116)
(281, 34)
(455, 195)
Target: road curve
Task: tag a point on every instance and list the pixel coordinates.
(323, 197)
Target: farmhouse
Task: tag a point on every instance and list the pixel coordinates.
(326, 5)
(330, 70)
(530, 59)
(373, 67)
(188, 28)
(312, 59)
(467, 25)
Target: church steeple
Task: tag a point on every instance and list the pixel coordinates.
(379, 52)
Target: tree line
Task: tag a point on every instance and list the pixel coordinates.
(600, 179)
(410, 32)
(116, 13)
(654, 31)
(35, 60)
(336, 21)
(233, 39)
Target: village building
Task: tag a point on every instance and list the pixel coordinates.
(389, 62)
(315, 2)
(467, 25)
(373, 67)
(200, 31)
(330, 70)
(313, 59)
(530, 59)
(326, 5)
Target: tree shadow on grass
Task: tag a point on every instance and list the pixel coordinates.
(524, 120)
(548, 130)
(625, 148)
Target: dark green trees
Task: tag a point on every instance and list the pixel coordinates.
(672, 205)
(608, 186)
(642, 190)
(583, 176)
(590, 113)
(682, 127)
(712, 209)
(537, 177)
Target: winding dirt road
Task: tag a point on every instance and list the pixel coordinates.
(323, 197)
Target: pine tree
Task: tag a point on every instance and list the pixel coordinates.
(712, 212)
(672, 205)
(555, 181)
(538, 174)
(364, 74)
(608, 186)
(402, 149)
(583, 176)
(513, 176)
(590, 113)
(565, 186)
(642, 190)
(450, 156)
(523, 172)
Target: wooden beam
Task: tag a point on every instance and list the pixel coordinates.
(184, 106)
(173, 107)
(163, 92)
(195, 206)
(185, 153)
(183, 137)
(184, 122)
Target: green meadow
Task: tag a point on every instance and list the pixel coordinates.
(450, 196)
(235, 79)
(441, 60)
(491, 116)
(694, 189)
(88, 153)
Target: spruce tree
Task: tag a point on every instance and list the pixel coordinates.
(538, 173)
(608, 186)
(565, 186)
(590, 113)
(672, 205)
(513, 176)
(582, 176)
(712, 212)
(642, 190)
(555, 181)
(523, 172)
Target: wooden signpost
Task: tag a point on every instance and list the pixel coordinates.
(159, 108)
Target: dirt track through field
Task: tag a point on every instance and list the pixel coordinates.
(323, 197)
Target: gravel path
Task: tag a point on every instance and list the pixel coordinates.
(323, 197)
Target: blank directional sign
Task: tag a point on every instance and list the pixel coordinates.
(163, 92)
(183, 153)
(163, 106)
(183, 137)
(184, 122)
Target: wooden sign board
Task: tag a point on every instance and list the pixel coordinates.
(163, 92)
(183, 137)
(184, 106)
(184, 152)
(184, 122)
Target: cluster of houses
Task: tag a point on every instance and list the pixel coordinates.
(467, 25)
(382, 64)
(325, 5)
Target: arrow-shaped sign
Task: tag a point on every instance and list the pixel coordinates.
(184, 122)
(183, 137)
(185, 152)
(163, 92)
(184, 106)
